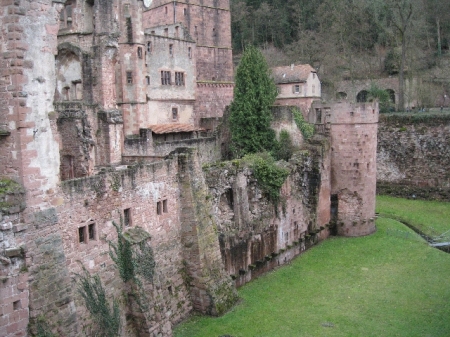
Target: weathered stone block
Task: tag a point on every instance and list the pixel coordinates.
(13, 252)
(6, 226)
(19, 228)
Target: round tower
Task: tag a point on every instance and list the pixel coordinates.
(353, 133)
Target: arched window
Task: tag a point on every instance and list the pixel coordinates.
(362, 96)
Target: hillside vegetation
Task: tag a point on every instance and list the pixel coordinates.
(350, 39)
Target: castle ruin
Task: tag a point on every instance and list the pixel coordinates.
(108, 115)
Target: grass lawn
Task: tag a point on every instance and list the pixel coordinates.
(379, 285)
(431, 217)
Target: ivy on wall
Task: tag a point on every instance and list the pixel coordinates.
(306, 128)
(270, 177)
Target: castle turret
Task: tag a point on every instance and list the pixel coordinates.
(353, 133)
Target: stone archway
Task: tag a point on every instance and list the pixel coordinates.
(362, 96)
(391, 93)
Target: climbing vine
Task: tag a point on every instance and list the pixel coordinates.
(270, 177)
(306, 128)
(106, 319)
(132, 261)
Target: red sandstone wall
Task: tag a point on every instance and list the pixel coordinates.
(212, 98)
(101, 200)
(303, 103)
(353, 165)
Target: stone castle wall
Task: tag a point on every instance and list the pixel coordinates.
(413, 156)
(255, 235)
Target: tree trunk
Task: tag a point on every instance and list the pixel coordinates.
(439, 45)
(401, 76)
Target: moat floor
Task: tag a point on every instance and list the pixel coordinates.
(385, 284)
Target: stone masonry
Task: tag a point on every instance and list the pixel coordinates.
(108, 112)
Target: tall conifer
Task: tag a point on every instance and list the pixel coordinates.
(254, 94)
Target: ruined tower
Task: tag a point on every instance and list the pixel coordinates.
(353, 134)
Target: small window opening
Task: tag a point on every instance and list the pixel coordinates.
(185, 11)
(190, 52)
(166, 32)
(166, 10)
(177, 33)
(296, 88)
(165, 206)
(158, 208)
(127, 217)
(66, 93)
(91, 230)
(129, 77)
(169, 288)
(149, 47)
(147, 80)
(139, 52)
(286, 236)
(174, 114)
(165, 77)
(179, 78)
(171, 49)
(81, 234)
(129, 30)
(17, 305)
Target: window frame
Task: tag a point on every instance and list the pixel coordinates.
(166, 77)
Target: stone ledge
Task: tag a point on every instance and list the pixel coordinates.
(13, 252)
(19, 228)
(4, 133)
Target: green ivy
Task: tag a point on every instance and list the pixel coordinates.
(122, 255)
(106, 320)
(270, 177)
(284, 147)
(306, 128)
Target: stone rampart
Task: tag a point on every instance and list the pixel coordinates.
(256, 236)
(413, 156)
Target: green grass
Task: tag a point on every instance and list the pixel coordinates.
(379, 285)
(431, 217)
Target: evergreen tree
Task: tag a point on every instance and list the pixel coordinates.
(251, 114)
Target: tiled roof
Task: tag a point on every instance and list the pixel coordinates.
(173, 128)
(293, 74)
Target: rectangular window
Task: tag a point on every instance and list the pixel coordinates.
(129, 30)
(127, 217)
(190, 52)
(165, 78)
(179, 78)
(149, 47)
(171, 49)
(177, 33)
(184, 11)
(165, 206)
(91, 230)
(166, 32)
(158, 208)
(296, 88)
(81, 234)
(174, 114)
(129, 77)
(139, 52)
(147, 80)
